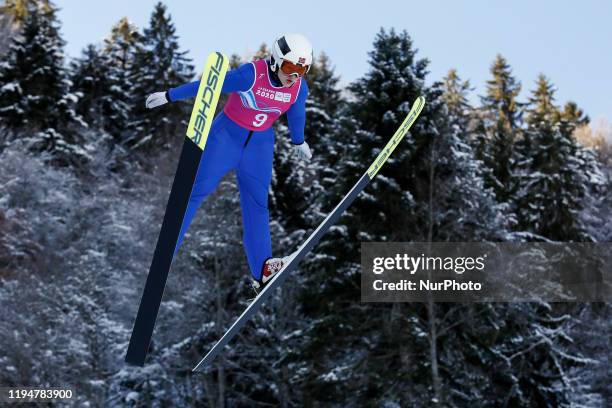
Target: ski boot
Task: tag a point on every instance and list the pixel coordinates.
(270, 268)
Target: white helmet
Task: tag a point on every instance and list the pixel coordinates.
(291, 47)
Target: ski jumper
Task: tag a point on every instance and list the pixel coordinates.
(241, 138)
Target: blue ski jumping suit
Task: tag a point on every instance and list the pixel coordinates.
(250, 154)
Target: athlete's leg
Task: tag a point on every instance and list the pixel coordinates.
(254, 176)
(221, 154)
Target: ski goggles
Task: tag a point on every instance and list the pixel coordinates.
(292, 69)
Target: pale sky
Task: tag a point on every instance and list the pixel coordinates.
(568, 41)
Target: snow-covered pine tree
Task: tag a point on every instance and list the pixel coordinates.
(101, 104)
(553, 176)
(119, 52)
(502, 116)
(382, 100)
(35, 98)
(597, 215)
(465, 209)
(592, 333)
(455, 98)
(16, 11)
(459, 208)
(470, 140)
(70, 260)
(159, 65)
(13, 14)
(262, 52)
(323, 109)
(574, 114)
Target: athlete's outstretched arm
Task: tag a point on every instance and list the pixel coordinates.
(239, 79)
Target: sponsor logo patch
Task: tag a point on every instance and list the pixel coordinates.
(273, 95)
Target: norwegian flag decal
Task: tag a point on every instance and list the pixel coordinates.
(301, 60)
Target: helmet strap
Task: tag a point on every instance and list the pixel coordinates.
(273, 68)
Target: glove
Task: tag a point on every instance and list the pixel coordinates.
(157, 99)
(303, 151)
